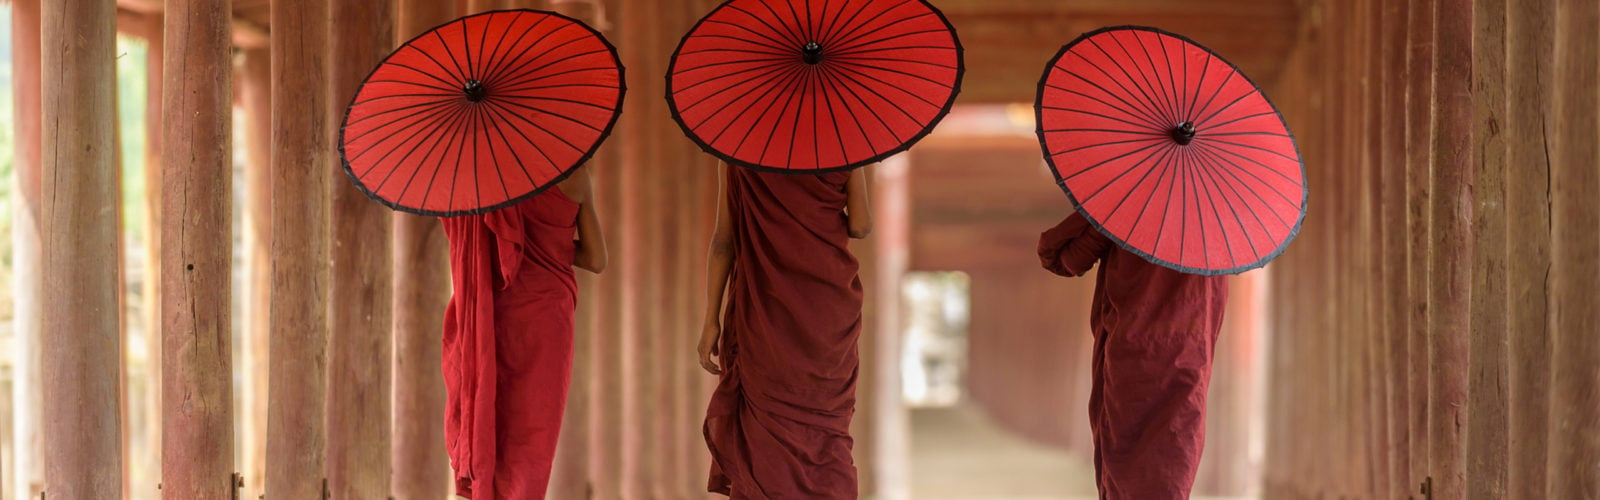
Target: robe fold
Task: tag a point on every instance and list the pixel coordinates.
(1155, 334)
(778, 424)
(508, 344)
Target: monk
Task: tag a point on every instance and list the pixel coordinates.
(1155, 330)
(778, 424)
(508, 336)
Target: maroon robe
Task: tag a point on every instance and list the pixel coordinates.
(508, 344)
(1155, 333)
(778, 425)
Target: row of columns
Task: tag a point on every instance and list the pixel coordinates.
(357, 341)
(1434, 324)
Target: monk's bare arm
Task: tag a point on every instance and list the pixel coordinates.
(591, 255)
(858, 203)
(719, 262)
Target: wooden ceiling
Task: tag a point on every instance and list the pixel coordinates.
(1008, 42)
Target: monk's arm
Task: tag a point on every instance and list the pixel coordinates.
(591, 255)
(1072, 247)
(858, 204)
(719, 262)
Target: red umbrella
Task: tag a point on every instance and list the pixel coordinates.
(482, 112)
(1171, 151)
(814, 85)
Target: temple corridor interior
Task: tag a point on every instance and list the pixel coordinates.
(1432, 333)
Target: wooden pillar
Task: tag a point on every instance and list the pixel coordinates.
(1487, 425)
(82, 439)
(1394, 265)
(256, 94)
(27, 476)
(1574, 455)
(1419, 165)
(360, 342)
(1530, 29)
(197, 405)
(1449, 319)
(302, 153)
(421, 469)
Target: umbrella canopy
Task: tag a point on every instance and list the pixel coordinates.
(814, 86)
(482, 112)
(1171, 151)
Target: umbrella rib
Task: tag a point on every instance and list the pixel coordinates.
(1162, 162)
(1132, 111)
(453, 92)
(782, 33)
(1097, 115)
(1150, 102)
(506, 59)
(1205, 242)
(1163, 152)
(1104, 130)
(902, 47)
(1172, 80)
(893, 59)
(428, 74)
(821, 20)
(858, 44)
(1144, 107)
(562, 86)
(861, 69)
(466, 46)
(827, 91)
(453, 61)
(500, 115)
(1233, 172)
(450, 202)
(437, 167)
(437, 109)
(1214, 96)
(799, 109)
(740, 51)
(522, 73)
(1205, 69)
(794, 84)
(841, 28)
(1217, 184)
(1166, 168)
(455, 175)
(757, 43)
(452, 120)
(512, 66)
(856, 33)
(1155, 71)
(1183, 222)
(1237, 134)
(892, 102)
(776, 43)
(726, 63)
(499, 172)
(1230, 105)
(553, 99)
(1103, 163)
(1200, 181)
(1258, 148)
(1105, 144)
(816, 137)
(432, 107)
(500, 107)
(397, 96)
(1237, 184)
(1243, 118)
(770, 88)
(841, 83)
(769, 75)
(561, 116)
(493, 56)
(1154, 95)
(1166, 209)
(778, 65)
(791, 30)
(560, 73)
(1182, 90)
(803, 26)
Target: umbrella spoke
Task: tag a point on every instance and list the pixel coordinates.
(845, 84)
(1213, 98)
(863, 70)
(787, 36)
(433, 109)
(506, 59)
(1148, 90)
(776, 43)
(517, 63)
(519, 86)
(1105, 130)
(771, 88)
(1106, 144)
(861, 45)
(501, 116)
(1257, 148)
(1097, 115)
(778, 65)
(427, 74)
(776, 48)
(887, 49)
(453, 92)
(1130, 110)
(851, 68)
(1271, 186)
(398, 96)
(523, 71)
(460, 73)
(794, 84)
(561, 116)
(1168, 157)
(827, 91)
(1201, 175)
(1218, 181)
(1205, 69)
(453, 120)
(435, 113)
(1167, 167)
(847, 27)
(1146, 106)
(498, 171)
(547, 99)
(1243, 118)
(765, 78)
(892, 103)
(739, 51)
(857, 31)
(1172, 82)
(1214, 114)
(1164, 152)
(501, 107)
(894, 59)
(789, 29)
(1109, 161)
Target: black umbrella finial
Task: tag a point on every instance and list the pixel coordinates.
(475, 91)
(1183, 133)
(812, 53)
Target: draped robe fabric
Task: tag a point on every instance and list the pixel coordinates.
(508, 344)
(1155, 334)
(778, 425)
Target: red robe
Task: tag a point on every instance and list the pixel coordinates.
(508, 344)
(778, 424)
(1155, 333)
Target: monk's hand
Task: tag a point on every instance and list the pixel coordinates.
(709, 335)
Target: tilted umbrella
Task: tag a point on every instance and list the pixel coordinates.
(814, 86)
(1171, 151)
(482, 112)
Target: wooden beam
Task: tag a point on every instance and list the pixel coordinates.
(421, 291)
(196, 224)
(360, 343)
(302, 154)
(82, 439)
